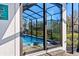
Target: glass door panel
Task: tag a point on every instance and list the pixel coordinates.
(31, 28)
(54, 25)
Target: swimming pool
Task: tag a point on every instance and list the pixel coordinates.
(31, 40)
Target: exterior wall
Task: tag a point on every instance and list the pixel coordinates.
(9, 32)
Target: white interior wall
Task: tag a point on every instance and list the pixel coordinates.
(18, 16)
(64, 26)
(10, 45)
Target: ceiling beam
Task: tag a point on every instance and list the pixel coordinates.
(30, 15)
(35, 12)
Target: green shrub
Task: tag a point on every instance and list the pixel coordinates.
(56, 36)
(69, 36)
(69, 42)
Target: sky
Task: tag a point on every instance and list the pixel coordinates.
(69, 8)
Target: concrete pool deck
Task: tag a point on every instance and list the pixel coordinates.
(59, 53)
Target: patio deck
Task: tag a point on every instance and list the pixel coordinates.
(59, 53)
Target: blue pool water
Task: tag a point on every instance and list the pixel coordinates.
(31, 40)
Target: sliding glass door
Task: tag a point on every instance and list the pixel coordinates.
(41, 26)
